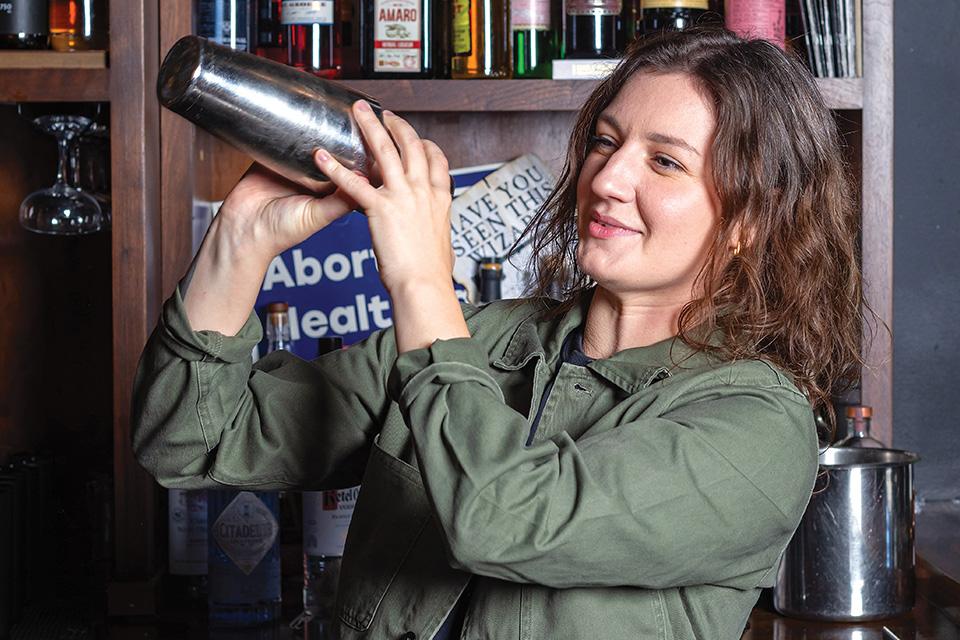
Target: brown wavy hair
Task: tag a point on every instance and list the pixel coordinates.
(793, 294)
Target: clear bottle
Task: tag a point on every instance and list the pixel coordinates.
(312, 29)
(858, 429)
(187, 540)
(481, 39)
(243, 582)
(404, 39)
(24, 24)
(665, 15)
(270, 43)
(225, 22)
(326, 518)
(278, 327)
(536, 27)
(590, 28)
(78, 24)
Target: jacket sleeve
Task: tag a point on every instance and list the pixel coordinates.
(203, 416)
(707, 490)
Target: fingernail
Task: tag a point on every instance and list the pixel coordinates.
(387, 112)
(363, 105)
(322, 155)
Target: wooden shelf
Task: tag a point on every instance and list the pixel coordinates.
(54, 76)
(530, 95)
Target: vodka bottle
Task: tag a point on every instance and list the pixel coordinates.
(326, 517)
(243, 584)
(481, 39)
(24, 24)
(312, 30)
(187, 540)
(225, 22)
(590, 28)
(535, 25)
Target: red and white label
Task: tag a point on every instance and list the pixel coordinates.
(397, 47)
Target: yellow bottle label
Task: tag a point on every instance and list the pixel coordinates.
(461, 28)
(670, 4)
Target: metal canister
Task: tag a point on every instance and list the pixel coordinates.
(852, 557)
(276, 114)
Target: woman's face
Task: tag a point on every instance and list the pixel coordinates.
(646, 205)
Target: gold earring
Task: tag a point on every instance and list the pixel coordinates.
(736, 250)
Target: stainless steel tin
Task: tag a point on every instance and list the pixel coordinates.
(276, 114)
(852, 557)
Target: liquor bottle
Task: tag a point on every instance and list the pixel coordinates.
(404, 39)
(657, 16)
(326, 518)
(78, 24)
(225, 22)
(858, 429)
(278, 327)
(187, 540)
(243, 581)
(312, 31)
(766, 19)
(489, 274)
(481, 39)
(24, 24)
(627, 24)
(536, 36)
(590, 28)
(269, 30)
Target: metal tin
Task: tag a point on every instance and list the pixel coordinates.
(852, 557)
(276, 114)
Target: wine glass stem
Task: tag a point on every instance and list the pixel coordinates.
(64, 150)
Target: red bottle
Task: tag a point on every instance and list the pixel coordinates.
(313, 30)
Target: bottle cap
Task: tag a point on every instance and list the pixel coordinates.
(859, 412)
(278, 307)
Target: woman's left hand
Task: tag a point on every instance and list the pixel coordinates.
(409, 219)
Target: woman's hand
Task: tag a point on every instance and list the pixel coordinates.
(262, 216)
(409, 219)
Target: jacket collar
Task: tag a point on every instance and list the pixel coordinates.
(631, 369)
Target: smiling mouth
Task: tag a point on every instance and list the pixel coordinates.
(604, 227)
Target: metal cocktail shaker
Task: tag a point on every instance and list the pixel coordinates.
(276, 114)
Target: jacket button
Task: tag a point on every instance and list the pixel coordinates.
(409, 635)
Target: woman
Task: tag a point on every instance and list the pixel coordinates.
(628, 462)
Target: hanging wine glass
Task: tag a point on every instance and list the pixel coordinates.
(61, 209)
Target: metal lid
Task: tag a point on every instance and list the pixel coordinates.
(859, 412)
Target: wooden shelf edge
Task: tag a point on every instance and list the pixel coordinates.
(53, 59)
(54, 85)
(532, 95)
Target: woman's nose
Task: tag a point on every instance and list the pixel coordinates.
(615, 178)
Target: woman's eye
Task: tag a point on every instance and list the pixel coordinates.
(667, 163)
(600, 143)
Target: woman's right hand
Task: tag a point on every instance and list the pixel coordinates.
(262, 216)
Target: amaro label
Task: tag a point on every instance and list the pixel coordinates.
(396, 41)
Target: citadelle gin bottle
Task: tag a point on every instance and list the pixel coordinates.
(225, 22)
(243, 582)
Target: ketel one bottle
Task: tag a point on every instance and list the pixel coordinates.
(243, 582)
(405, 39)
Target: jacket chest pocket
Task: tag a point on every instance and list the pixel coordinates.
(390, 513)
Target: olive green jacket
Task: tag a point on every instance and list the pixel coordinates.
(654, 501)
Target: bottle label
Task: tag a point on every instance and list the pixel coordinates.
(224, 23)
(19, 16)
(396, 40)
(187, 513)
(306, 12)
(326, 518)
(593, 7)
(462, 45)
(764, 19)
(245, 530)
(530, 14)
(674, 4)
